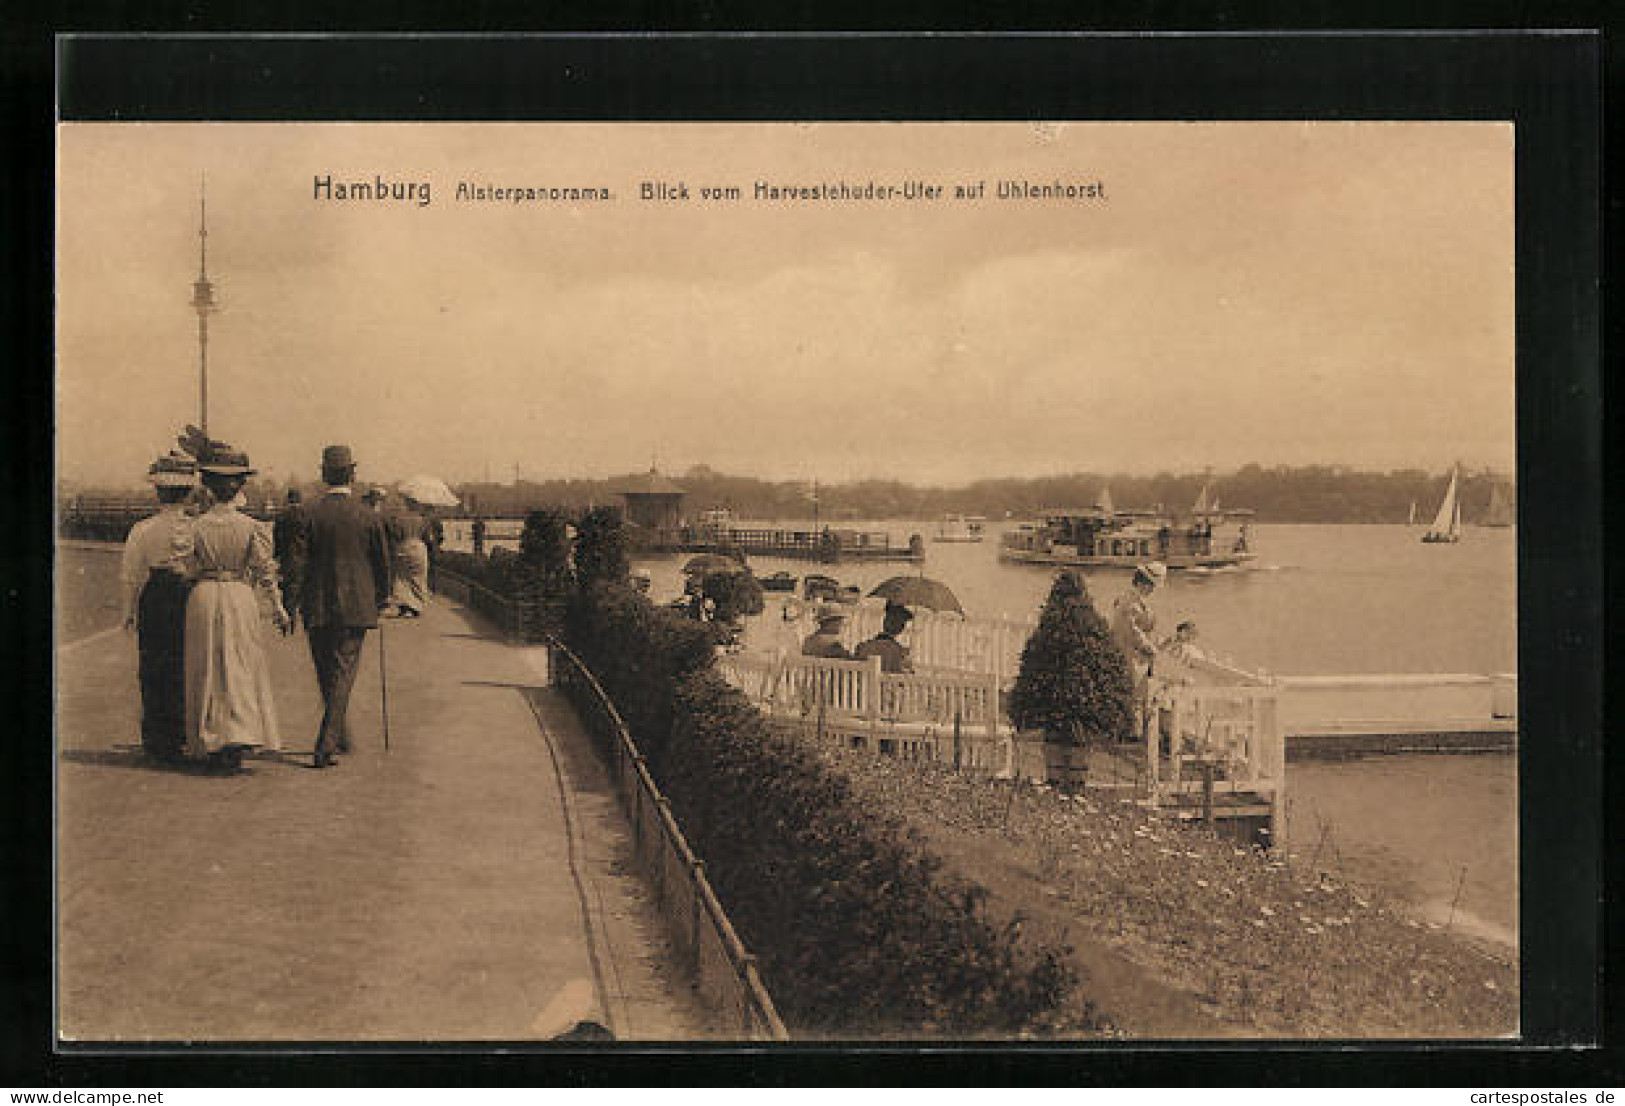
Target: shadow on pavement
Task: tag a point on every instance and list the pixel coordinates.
(134, 758)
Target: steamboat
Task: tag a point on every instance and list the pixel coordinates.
(1101, 536)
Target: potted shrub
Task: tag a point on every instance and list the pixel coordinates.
(1073, 685)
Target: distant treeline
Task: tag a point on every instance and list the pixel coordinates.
(1311, 493)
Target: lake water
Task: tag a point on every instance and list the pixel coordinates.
(1318, 600)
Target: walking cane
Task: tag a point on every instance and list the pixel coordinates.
(383, 682)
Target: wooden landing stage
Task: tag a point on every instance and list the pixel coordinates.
(826, 546)
(1329, 717)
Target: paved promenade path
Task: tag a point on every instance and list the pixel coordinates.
(467, 884)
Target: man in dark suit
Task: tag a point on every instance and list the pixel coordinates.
(344, 580)
(288, 546)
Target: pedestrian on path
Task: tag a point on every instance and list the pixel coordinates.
(287, 543)
(156, 587)
(229, 708)
(1133, 623)
(409, 535)
(345, 583)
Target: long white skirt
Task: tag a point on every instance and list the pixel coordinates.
(228, 685)
(411, 575)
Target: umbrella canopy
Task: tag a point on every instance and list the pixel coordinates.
(711, 562)
(431, 491)
(919, 591)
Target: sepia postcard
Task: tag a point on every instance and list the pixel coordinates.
(784, 582)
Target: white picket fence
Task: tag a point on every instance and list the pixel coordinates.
(936, 641)
(954, 717)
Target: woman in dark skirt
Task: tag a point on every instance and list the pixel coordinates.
(156, 589)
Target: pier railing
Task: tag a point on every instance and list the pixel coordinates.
(724, 971)
(936, 640)
(1225, 754)
(950, 717)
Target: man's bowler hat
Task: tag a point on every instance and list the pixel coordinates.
(337, 457)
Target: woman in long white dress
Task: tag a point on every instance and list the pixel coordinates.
(408, 531)
(229, 708)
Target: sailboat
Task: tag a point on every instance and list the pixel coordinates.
(1411, 521)
(1446, 526)
(1500, 511)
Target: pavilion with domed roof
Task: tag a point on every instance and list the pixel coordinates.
(652, 501)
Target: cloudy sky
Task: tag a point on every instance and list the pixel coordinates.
(1279, 293)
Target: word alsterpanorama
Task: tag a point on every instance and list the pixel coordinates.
(421, 193)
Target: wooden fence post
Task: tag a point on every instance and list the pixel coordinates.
(872, 699)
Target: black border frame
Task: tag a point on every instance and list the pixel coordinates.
(1549, 84)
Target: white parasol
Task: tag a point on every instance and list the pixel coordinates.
(431, 491)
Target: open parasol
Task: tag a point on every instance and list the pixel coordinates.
(431, 491)
(919, 591)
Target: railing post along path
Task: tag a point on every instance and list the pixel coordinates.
(739, 986)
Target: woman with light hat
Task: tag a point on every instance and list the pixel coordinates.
(228, 686)
(409, 534)
(1133, 623)
(154, 571)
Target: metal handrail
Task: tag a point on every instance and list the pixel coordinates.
(509, 614)
(738, 987)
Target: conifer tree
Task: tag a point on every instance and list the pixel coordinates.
(1072, 671)
(601, 547)
(544, 553)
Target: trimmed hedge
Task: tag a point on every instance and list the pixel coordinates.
(858, 930)
(506, 574)
(638, 651)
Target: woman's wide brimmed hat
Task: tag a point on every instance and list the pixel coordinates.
(222, 460)
(173, 470)
(1154, 572)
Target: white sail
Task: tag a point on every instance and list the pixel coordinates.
(1103, 501)
(1412, 520)
(1447, 523)
(1202, 505)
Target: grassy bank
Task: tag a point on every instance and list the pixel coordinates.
(1178, 933)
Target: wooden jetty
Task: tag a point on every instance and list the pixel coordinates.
(1340, 716)
(829, 546)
